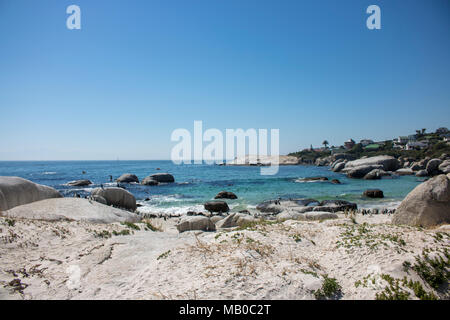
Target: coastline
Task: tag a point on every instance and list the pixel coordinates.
(306, 242)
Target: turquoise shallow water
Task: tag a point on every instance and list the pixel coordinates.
(196, 184)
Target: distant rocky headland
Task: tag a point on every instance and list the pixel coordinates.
(421, 154)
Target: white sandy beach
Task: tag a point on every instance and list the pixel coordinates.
(285, 260)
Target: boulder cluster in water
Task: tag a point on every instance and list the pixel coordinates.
(427, 205)
(151, 180)
(370, 168)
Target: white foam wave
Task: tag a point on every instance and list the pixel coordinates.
(380, 205)
(170, 211)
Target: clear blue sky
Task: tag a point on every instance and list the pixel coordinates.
(137, 70)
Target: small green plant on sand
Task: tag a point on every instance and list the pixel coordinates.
(253, 225)
(163, 255)
(131, 225)
(434, 271)
(393, 291)
(396, 290)
(124, 232)
(330, 289)
(150, 226)
(10, 222)
(102, 234)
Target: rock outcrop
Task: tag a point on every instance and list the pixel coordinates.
(273, 207)
(98, 199)
(373, 193)
(15, 191)
(388, 163)
(225, 195)
(76, 209)
(426, 205)
(79, 183)
(361, 171)
(128, 178)
(311, 179)
(117, 197)
(422, 173)
(162, 177)
(445, 166)
(433, 166)
(405, 172)
(376, 174)
(338, 167)
(235, 220)
(216, 206)
(196, 223)
(149, 181)
(417, 167)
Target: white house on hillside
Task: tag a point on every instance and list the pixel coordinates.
(418, 145)
(402, 140)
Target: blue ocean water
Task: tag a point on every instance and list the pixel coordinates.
(196, 184)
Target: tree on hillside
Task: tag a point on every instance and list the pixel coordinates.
(325, 143)
(423, 131)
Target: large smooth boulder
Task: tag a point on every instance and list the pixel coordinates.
(225, 195)
(269, 206)
(79, 183)
(216, 219)
(376, 174)
(422, 173)
(445, 166)
(426, 205)
(388, 163)
(15, 191)
(76, 209)
(373, 193)
(163, 177)
(361, 171)
(128, 178)
(433, 166)
(424, 162)
(338, 167)
(149, 181)
(417, 167)
(117, 197)
(216, 206)
(405, 172)
(334, 163)
(98, 199)
(196, 223)
(235, 220)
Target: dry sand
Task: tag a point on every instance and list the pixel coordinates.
(286, 260)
